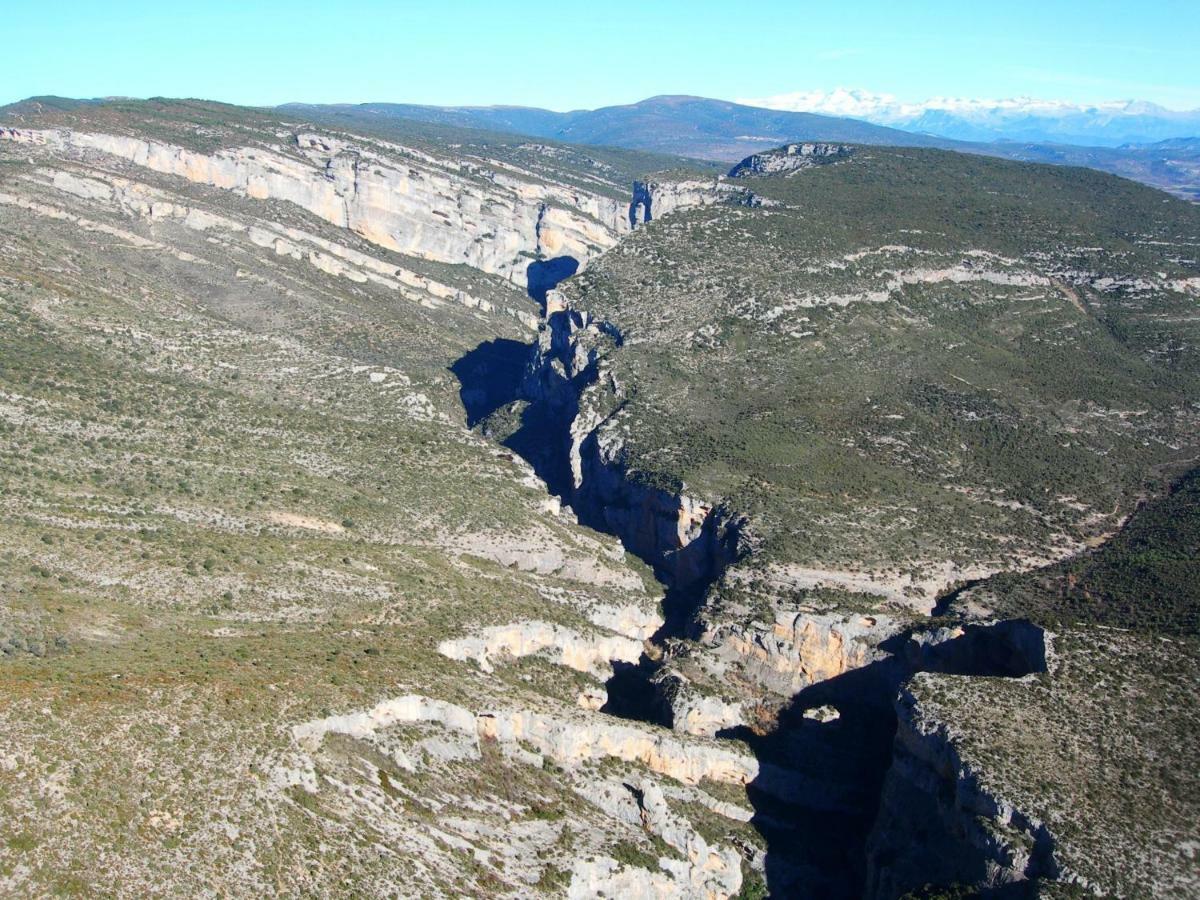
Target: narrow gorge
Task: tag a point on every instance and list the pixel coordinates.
(834, 771)
(431, 512)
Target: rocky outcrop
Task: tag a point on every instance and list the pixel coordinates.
(593, 654)
(136, 199)
(802, 648)
(568, 742)
(451, 211)
(700, 869)
(631, 621)
(687, 540)
(411, 204)
(693, 711)
(687, 864)
(938, 825)
(653, 199)
(790, 159)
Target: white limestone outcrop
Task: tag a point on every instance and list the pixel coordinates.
(791, 158)
(568, 742)
(803, 648)
(451, 211)
(137, 199)
(705, 715)
(592, 654)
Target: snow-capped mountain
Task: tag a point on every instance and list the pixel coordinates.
(1108, 124)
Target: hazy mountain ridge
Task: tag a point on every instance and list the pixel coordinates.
(1109, 124)
(719, 130)
(679, 125)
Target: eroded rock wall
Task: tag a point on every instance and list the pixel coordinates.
(938, 824)
(687, 540)
(411, 204)
(451, 211)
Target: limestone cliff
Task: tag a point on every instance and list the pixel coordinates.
(448, 210)
(938, 825)
(686, 539)
(790, 159)
(803, 647)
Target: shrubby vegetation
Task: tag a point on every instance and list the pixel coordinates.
(813, 365)
(1147, 577)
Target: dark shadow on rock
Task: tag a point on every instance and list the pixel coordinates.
(1009, 649)
(543, 276)
(818, 789)
(820, 784)
(538, 441)
(633, 694)
(640, 207)
(943, 603)
(490, 376)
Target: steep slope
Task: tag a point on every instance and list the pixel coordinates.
(1091, 767)
(273, 621)
(899, 371)
(399, 198)
(1147, 578)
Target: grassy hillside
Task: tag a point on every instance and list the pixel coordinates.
(1102, 749)
(911, 356)
(237, 495)
(1146, 578)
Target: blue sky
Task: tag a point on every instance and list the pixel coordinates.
(572, 55)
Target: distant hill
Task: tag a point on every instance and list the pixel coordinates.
(678, 125)
(1172, 165)
(702, 128)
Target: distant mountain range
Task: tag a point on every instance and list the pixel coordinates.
(1019, 119)
(677, 125)
(719, 130)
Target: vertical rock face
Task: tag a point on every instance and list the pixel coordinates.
(687, 540)
(792, 158)
(393, 197)
(448, 210)
(938, 825)
(652, 199)
(641, 208)
(802, 648)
